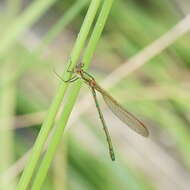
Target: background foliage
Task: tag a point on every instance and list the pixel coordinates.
(38, 38)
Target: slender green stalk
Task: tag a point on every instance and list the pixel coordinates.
(48, 122)
(56, 138)
(62, 23)
(60, 173)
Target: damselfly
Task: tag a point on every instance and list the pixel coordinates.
(124, 115)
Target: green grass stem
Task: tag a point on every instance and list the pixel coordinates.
(48, 122)
(56, 138)
(67, 17)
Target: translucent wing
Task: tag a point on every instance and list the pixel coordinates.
(124, 115)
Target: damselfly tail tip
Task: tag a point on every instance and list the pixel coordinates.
(112, 155)
(145, 132)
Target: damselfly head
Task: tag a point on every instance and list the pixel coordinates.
(78, 67)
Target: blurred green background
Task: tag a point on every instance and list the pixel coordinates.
(36, 40)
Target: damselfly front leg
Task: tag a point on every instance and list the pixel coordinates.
(73, 79)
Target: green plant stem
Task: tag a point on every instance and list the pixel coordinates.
(56, 138)
(48, 122)
(60, 174)
(62, 23)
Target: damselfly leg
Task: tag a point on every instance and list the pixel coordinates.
(73, 79)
